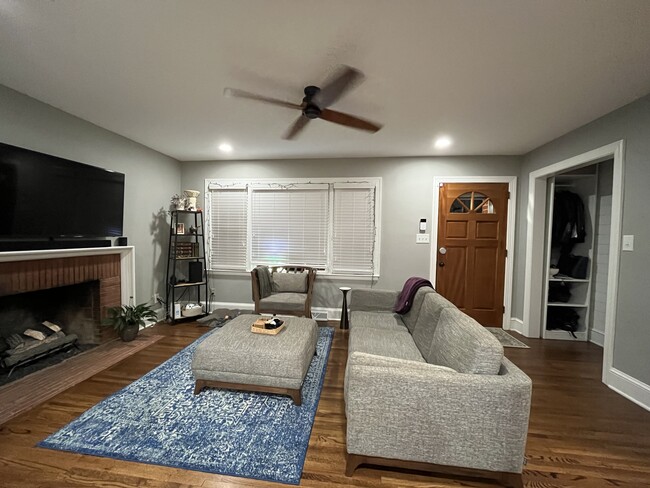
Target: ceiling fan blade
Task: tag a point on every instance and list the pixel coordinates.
(344, 79)
(348, 120)
(235, 93)
(296, 128)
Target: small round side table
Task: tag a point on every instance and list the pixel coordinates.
(345, 323)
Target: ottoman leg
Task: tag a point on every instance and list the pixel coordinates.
(296, 396)
(200, 384)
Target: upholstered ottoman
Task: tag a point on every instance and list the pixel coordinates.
(234, 357)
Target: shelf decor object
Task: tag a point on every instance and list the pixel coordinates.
(190, 196)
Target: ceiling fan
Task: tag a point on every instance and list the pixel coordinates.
(316, 100)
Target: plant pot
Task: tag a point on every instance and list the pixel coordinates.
(129, 333)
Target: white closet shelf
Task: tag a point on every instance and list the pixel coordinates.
(562, 304)
(566, 336)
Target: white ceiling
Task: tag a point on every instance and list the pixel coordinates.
(499, 76)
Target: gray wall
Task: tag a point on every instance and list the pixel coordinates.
(631, 123)
(407, 193)
(151, 178)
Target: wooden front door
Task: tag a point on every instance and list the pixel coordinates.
(471, 248)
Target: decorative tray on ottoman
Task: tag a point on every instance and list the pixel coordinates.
(260, 326)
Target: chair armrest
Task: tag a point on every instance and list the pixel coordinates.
(370, 300)
(255, 287)
(420, 412)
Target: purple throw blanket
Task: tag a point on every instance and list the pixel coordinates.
(405, 299)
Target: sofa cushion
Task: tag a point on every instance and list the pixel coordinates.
(461, 343)
(372, 299)
(364, 359)
(432, 306)
(415, 367)
(284, 301)
(384, 342)
(376, 320)
(290, 282)
(410, 317)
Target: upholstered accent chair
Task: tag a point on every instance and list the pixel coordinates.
(288, 293)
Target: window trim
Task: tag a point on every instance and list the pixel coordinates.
(270, 183)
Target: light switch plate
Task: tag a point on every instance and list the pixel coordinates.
(628, 243)
(422, 238)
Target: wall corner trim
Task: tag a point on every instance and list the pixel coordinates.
(517, 325)
(629, 387)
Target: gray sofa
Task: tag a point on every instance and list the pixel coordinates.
(431, 390)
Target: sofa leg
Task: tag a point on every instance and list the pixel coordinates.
(512, 480)
(505, 479)
(352, 462)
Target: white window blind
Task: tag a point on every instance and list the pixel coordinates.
(328, 223)
(289, 226)
(354, 230)
(228, 228)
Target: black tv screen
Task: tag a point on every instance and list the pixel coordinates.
(43, 196)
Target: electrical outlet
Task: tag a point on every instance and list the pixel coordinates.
(156, 297)
(422, 238)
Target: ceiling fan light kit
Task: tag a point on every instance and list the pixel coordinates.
(315, 102)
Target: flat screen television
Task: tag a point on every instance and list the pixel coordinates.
(44, 197)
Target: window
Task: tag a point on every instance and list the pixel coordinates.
(472, 201)
(328, 224)
(289, 226)
(227, 236)
(354, 229)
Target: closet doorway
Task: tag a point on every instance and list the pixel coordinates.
(603, 266)
(579, 207)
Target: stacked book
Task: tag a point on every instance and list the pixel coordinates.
(185, 249)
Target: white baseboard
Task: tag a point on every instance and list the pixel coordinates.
(232, 305)
(161, 314)
(629, 387)
(597, 337)
(517, 325)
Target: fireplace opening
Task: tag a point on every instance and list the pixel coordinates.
(41, 328)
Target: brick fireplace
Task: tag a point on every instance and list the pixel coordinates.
(110, 270)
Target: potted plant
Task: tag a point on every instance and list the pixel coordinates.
(127, 319)
(178, 202)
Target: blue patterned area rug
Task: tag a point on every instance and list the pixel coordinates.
(158, 420)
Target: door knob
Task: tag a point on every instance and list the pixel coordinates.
(442, 250)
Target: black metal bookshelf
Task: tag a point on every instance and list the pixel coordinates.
(186, 262)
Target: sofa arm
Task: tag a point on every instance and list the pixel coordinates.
(370, 300)
(421, 412)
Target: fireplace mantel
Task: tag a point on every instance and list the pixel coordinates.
(126, 256)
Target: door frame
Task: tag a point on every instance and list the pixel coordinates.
(535, 242)
(510, 231)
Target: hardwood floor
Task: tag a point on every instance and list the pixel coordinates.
(26, 393)
(581, 433)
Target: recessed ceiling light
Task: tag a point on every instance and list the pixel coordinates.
(225, 147)
(443, 142)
